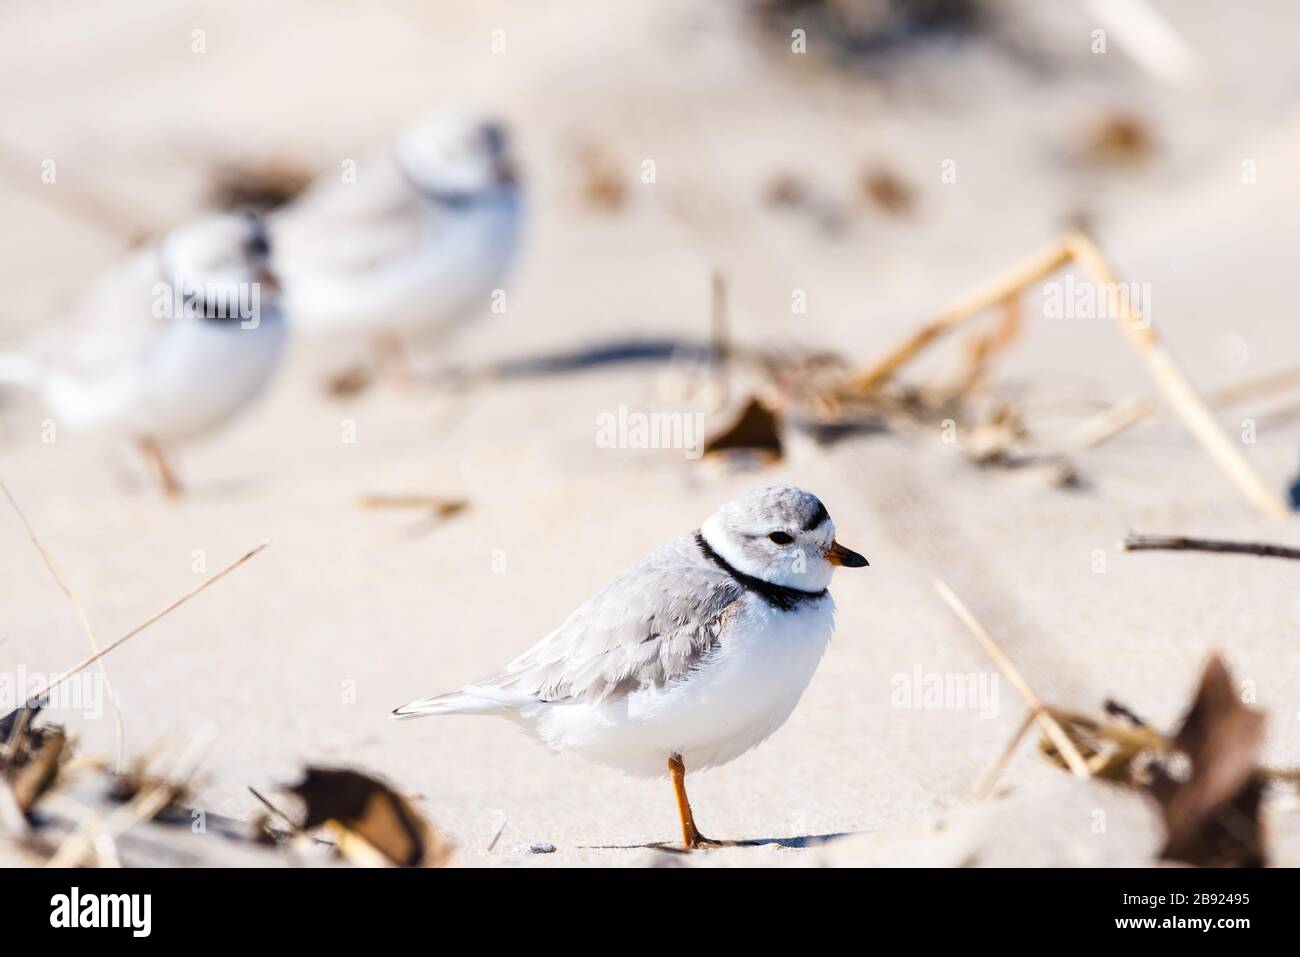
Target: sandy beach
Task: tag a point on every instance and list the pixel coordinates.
(298, 657)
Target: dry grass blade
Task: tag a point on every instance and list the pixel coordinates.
(1173, 384)
(984, 783)
(1051, 727)
(1178, 391)
(1114, 421)
(81, 614)
(74, 199)
(1178, 543)
(1038, 266)
(148, 802)
(441, 507)
(87, 662)
(293, 825)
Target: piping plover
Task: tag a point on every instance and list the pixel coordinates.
(404, 246)
(691, 657)
(169, 345)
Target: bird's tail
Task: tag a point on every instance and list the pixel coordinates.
(18, 369)
(470, 700)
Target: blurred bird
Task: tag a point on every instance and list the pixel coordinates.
(694, 655)
(169, 345)
(408, 245)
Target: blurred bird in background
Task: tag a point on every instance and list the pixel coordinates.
(169, 346)
(401, 249)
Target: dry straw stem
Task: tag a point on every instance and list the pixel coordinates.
(1147, 739)
(1127, 413)
(87, 662)
(120, 727)
(145, 806)
(1051, 727)
(1036, 267)
(1177, 390)
(984, 783)
(78, 201)
(1178, 543)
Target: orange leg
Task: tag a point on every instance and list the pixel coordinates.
(171, 485)
(691, 836)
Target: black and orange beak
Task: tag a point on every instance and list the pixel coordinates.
(837, 554)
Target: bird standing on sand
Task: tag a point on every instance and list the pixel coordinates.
(691, 657)
(169, 346)
(409, 244)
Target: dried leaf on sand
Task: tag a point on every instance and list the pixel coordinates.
(1212, 817)
(371, 822)
(755, 431)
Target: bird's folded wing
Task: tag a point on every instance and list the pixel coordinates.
(652, 625)
(116, 322)
(353, 226)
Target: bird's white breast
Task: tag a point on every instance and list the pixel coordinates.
(742, 691)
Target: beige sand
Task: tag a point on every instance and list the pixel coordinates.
(300, 656)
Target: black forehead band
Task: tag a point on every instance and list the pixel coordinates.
(818, 517)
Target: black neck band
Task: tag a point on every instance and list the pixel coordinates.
(778, 596)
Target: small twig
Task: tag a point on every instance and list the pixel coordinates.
(444, 507)
(1051, 727)
(147, 804)
(1038, 266)
(81, 614)
(984, 783)
(1111, 422)
(1177, 543)
(1174, 385)
(293, 826)
(85, 203)
(86, 662)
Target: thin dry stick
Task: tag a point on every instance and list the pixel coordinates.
(1128, 412)
(145, 806)
(81, 614)
(86, 662)
(1051, 727)
(293, 826)
(984, 783)
(1256, 388)
(443, 506)
(77, 201)
(1109, 423)
(1039, 266)
(1178, 391)
(1177, 543)
(1147, 739)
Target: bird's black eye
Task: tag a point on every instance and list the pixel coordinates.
(781, 538)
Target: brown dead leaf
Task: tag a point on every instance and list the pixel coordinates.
(755, 431)
(371, 821)
(1212, 817)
